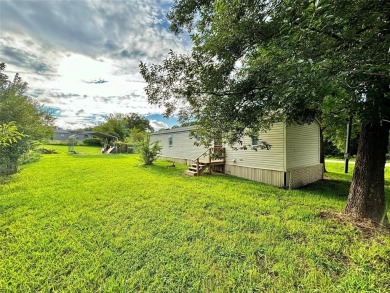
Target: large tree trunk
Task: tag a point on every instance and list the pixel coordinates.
(366, 197)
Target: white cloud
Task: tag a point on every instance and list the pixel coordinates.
(157, 125)
(59, 45)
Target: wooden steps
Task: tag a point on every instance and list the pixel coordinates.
(207, 160)
(193, 169)
(203, 166)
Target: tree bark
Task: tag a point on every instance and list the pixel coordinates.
(322, 149)
(366, 197)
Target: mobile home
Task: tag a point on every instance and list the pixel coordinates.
(292, 161)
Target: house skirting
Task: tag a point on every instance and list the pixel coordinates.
(271, 177)
(304, 175)
(187, 162)
(291, 179)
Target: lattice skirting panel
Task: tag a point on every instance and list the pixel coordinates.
(302, 176)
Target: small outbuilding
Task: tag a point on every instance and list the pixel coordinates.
(293, 160)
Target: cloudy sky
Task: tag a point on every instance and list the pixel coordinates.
(81, 57)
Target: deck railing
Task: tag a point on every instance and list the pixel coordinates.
(217, 153)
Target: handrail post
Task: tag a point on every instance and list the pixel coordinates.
(224, 159)
(210, 161)
(197, 166)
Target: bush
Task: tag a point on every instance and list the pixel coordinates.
(29, 157)
(124, 148)
(10, 156)
(91, 141)
(149, 151)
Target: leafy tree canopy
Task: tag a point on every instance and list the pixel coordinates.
(120, 125)
(255, 62)
(25, 113)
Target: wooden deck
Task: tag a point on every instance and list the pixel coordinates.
(205, 162)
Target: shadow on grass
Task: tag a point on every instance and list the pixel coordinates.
(163, 169)
(336, 189)
(5, 179)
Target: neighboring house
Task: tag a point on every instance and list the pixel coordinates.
(62, 134)
(292, 161)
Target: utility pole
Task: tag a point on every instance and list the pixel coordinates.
(346, 156)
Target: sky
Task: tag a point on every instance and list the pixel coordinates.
(81, 57)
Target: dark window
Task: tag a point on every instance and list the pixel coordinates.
(255, 140)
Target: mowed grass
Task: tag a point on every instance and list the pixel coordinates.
(104, 223)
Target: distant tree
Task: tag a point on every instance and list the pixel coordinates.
(115, 125)
(91, 141)
(135, 121)
(135, 138)
(121, 125)
(184, 124)
(337, 136)
(31, 120)
(256, 62)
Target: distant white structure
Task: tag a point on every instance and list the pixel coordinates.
(62, 134)
(291, 162)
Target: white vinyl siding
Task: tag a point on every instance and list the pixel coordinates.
(272, 159)
(294, 154)
(182, 146)
(303, 145)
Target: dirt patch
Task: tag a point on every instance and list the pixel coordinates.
(366, 226)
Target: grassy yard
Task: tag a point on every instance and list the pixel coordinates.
(103, 223)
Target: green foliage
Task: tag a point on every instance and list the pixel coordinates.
(114, 127)
(331, 150)
(121, 125)
(257, 62)
(10, 156)
(27, 119)
(149, 151)
(136, 135)
(9, 134)
(26, 113)
(29, 157)
(135, 121)
(135, 139)
(124, 148)
(159, 231)
(91, 141)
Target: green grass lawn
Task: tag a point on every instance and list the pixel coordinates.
(104, 223)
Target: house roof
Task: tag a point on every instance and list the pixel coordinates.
(177, 129)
